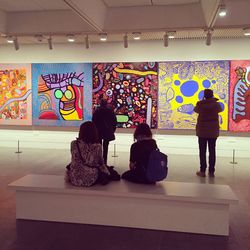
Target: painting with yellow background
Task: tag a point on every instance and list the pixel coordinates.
(181, 86)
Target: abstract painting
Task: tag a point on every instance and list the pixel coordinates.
(181, 85)
(15, 94)
(62, 93)
(130, 89)
(239, 113)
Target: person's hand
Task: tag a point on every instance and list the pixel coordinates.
(132, 165)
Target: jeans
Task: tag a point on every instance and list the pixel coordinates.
(212, 154)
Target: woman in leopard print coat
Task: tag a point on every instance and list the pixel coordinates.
(86, 157)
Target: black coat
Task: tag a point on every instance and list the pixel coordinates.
(105, 120)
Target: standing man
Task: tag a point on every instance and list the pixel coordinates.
(207, 130)
(105, 120)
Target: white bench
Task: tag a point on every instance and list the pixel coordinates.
(169, 206)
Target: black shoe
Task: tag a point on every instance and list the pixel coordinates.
(201, 174)
(211, 175)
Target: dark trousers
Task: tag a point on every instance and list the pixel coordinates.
(137, 176)
(105, 147)
(211, 142)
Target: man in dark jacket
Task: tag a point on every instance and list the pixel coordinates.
(105, 120)
(207, 130)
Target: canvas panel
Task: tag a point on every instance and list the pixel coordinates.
(239, 113)
(62, 94)
(131, 90)
(182, 84)
(15, 94)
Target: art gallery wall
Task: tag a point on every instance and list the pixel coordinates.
(186, 50)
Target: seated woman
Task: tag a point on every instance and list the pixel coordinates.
(87, 164)
(139, 154)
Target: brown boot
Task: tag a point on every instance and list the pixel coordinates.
(201, 174)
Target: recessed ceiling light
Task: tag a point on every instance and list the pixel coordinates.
(71, 38)
(171, 34)
(103, 37)
(222, 11)
(246, 32)
(10, 39)
(136, 35)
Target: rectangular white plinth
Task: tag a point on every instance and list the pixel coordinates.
(170, 206)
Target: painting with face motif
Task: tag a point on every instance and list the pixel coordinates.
(61, 94)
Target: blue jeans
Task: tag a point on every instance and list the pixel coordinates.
(203, 142)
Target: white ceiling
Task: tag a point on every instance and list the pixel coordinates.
(32, 5)
(57, 18)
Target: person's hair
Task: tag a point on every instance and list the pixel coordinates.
(142, 131)
(88, 132)
(103, 102)
(208, 93)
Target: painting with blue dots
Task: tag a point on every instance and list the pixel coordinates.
(181, 86)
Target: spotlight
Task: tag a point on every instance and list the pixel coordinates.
(246, 32)
(125, 41)
(87, 42)
(222, 10)
(209, 38)
(16, 43)
(136, 35)
(171, 34)
(70, 38)
(103, 37)
(10, 39)
(165, 39)
(50, 43)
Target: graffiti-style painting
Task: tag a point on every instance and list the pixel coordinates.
(131, 90)
(182, 84)
(239, 113)
(61, 92)
(15, 94)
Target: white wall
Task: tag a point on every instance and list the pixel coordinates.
(221, 49)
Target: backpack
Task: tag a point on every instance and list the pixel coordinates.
(157, 168)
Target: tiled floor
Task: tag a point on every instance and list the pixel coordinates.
(183, 162)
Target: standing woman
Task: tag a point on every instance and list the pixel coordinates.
(139, 154)
(87, 164)
(105, 120)
(207, 130)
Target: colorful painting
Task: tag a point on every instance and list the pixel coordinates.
(15, 94)
(181, 85)
(130, 88)
(239, 113)
(62, 94)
